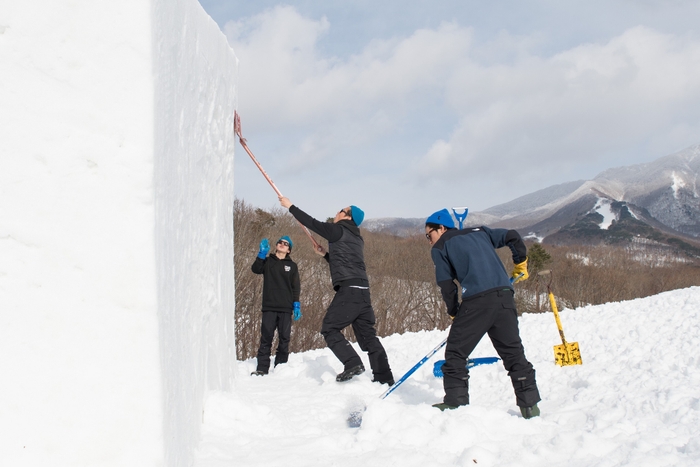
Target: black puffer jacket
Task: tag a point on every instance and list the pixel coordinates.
(346, 256)
(281, 286)
(345, 249)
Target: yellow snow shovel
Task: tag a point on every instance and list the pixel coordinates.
(567, 353)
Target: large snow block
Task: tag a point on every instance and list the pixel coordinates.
(116, 229)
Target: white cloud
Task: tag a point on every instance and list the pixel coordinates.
(499, 114)
(565, 110)
(286, 79)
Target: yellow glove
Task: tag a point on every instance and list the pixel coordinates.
(518, 269)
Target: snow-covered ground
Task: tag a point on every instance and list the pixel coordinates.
(634, 401)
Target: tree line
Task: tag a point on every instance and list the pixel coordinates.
(405, 297)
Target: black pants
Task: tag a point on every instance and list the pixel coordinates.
(352, 306)
(496, 315)
(271, 321)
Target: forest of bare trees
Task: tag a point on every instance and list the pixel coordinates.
(402, 283)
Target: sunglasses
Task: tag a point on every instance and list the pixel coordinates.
(285, 243)
(427, 235)
(345, 212)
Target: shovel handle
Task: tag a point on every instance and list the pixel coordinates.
(237, 131)
(553, 304)
(412, 370)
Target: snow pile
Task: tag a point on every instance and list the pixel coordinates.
(116, 278)
(633, 402)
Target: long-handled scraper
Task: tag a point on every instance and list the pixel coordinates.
(237, 131)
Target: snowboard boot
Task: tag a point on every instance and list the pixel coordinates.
(384, 377)
(442, 406)
(258, 373)
(389, 383)
(350, 372)
(530, 412)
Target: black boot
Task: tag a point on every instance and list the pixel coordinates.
(350, 372)
(258, 373)
(530, 412)
(389, 382)
(384, 378)
(442, 406)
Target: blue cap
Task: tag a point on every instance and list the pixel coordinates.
(441, 217)
(358, 215)
(288, 240)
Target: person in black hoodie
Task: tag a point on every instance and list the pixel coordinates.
(280, 300)
(351, 304)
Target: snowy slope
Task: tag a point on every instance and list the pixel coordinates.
(633, 402)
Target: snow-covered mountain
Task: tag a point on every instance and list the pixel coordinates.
(667, 189)
(663, 195)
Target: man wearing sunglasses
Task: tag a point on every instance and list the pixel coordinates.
(468, 257)
(280, 300)
(351, 305)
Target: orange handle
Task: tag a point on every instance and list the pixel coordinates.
(237, 131)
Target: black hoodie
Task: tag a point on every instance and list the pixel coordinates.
(281, 286)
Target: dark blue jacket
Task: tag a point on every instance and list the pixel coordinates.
(469, 255)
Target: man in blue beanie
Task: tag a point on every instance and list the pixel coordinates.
(351, 304)
(280, 300)
(469, 257)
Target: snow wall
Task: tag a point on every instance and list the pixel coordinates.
(116, 229)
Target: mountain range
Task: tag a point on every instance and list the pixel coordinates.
(657, 201)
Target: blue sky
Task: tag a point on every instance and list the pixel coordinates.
(403, 108)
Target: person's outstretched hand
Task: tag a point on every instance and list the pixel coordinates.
(284, 201)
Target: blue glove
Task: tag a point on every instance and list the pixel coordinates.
(264, 248)
(297, 311)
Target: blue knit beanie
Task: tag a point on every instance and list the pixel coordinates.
(358, 215)
(288, 240)
(441, 217)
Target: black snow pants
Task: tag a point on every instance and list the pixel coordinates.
(493, 314)
(271, 321)
(352, 306)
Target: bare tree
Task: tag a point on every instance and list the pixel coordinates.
(402, 281)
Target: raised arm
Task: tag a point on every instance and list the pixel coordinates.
(330, 232)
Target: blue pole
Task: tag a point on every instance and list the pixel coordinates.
(413, 370)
